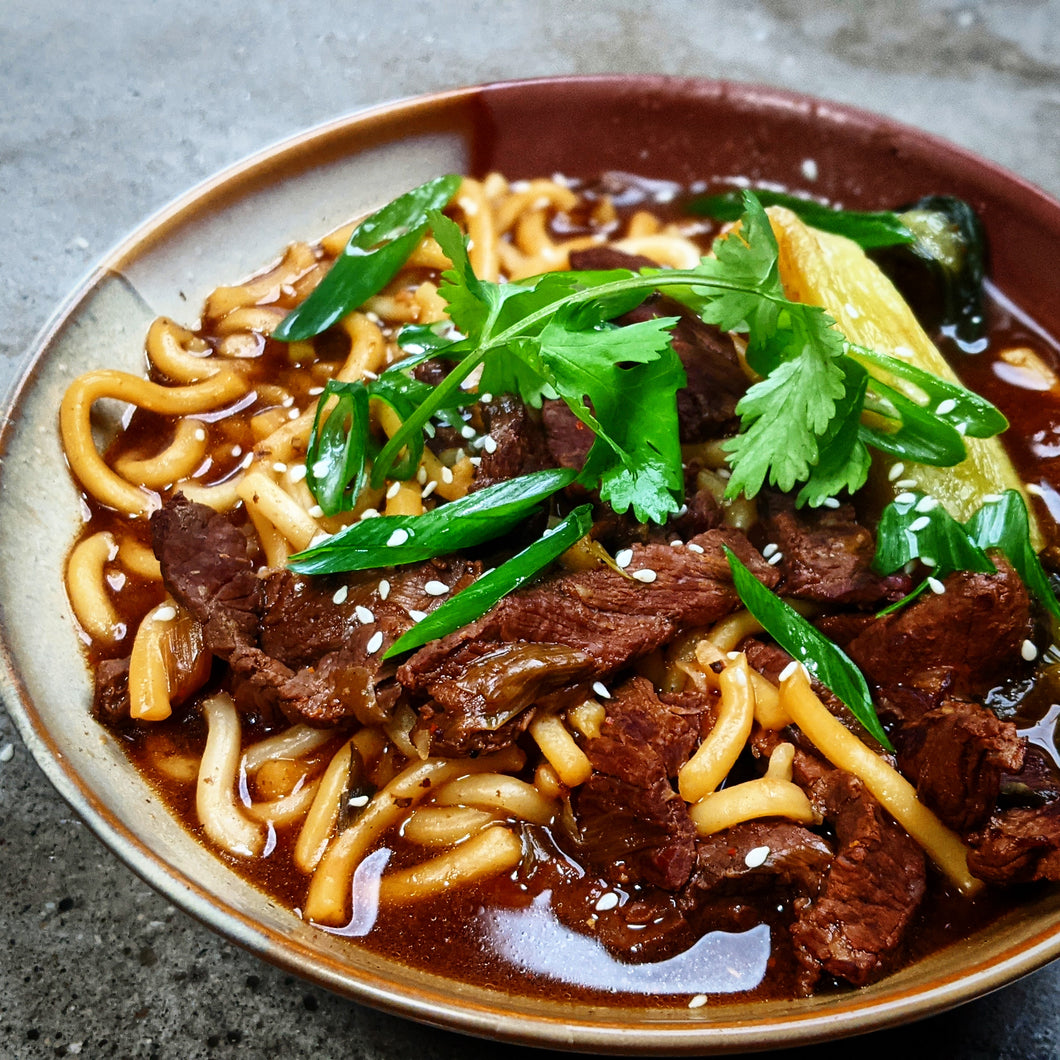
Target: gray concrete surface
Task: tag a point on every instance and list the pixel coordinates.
(108, 108)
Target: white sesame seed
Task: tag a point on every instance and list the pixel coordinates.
(896, 472)
(1028, 651)
(693, 547)
(775, 558)
(607, 901)
(375, 642)
(417, 616)
(902, 351)
(358, 801)
(436, 588)
(293, 414)
(279, 467)
(421, 475)
(467, 431)
(313, 391)
(319, 539)
(809, 171)
(944, 408)
(756, 857)
(830, 502)
(428, 429)
(398, 537)
(487, 397)
(165, 614)
(936, 586)
(789, 670)
(906, 484)
(297, 473)
(447, 475)
(428, 489)
(320, 469)
(340, 595)
(677, 543)
(905, 498)
(288, 401)
(852, 311)
(316, 512)
(770, 549)
(489, 443)
(929, 561)
(474, 461)
(920, 523)
(200, 435)
(926, 504)
(624, 558)
(364, 616)
(698, 1001)
(237, 450)
(394, 490)
(601, 690)
(369, 513)
(645, 575)
(384, 589)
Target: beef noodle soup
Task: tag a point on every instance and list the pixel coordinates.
(636, 542)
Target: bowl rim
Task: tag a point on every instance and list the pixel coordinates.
(616, 1036)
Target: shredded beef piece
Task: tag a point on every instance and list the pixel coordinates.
(206, 565)
(872, 891)
(313, 663)
(607, 618)
(796, 863)
(1018, 846)
(1037, 782)
(520, 448)
(975, 628)
(827, 554)
(954, 755)
(603, 259)
(567, 438)
(632, 824)
(110, 700)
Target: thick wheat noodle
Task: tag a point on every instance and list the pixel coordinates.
(269, 500)
(329, 888)
(177, 461)
(221, 496)
(726, 634)
(407, 499)
(442, 826)
(295, 742)
(767, 709)
(480, 224)
(558, 746)
(179, 354)
(772, 795)
(587, 717)
(215, 797)
(432, 306)
(367, 348)
(489, 853)
(498, 791)
(259, 318)
(542, 252)
(672, 250)
(137, 558)
(897, 796)
(168, 657)
(547, 781)
(285, 810)
(298, 259)
(718, 752)
(86, 587)
(534, 198)
(324, 812)
(75, 423)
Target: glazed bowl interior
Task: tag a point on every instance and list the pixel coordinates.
(657, 128)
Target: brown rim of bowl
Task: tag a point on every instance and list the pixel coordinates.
(463, 108)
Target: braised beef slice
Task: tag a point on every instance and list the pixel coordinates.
(955, 755)
(314, 662)
(871, 894)
(1037, 782)
(568, 439)
(975, 628)
(610, 618)
(206, 566)
(632, 824)
(1018, 845)
(827, 554)
(796, 862)
(110, 700)
(520, 443)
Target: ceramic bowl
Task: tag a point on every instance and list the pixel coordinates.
(231, 226)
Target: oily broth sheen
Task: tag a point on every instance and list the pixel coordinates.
(457, 933)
